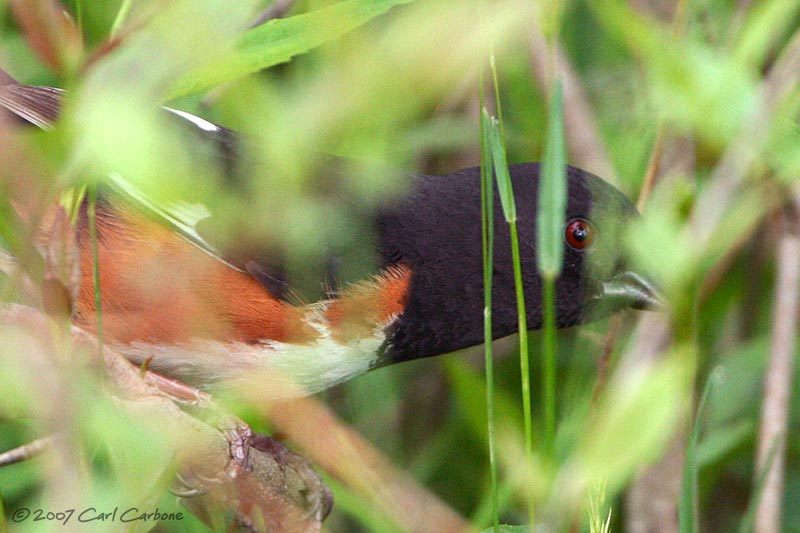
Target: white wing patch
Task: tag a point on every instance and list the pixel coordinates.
(201, 123)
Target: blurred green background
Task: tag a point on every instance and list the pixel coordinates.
(700, 94)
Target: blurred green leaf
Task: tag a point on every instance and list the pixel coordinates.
(279, 40)
(720, 442)
(470, 392)
(634, 420)
(552, 194)
(695, 87)
(364, 512)
(764, 27)
(113, 117)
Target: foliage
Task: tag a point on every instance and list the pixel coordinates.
(690, 92)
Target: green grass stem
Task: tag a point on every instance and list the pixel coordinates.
(524, 360)
(549, 347)
(506, 193)
(487, 232)
(688, 512)
(552, 200)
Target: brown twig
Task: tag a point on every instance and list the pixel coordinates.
(26, 451)
(345, 455)
(651, 501)
(653, 168)
(778, 378)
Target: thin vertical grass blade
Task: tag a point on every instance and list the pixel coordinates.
(506, 193)
(552, 198)
(487, 230)
(688, 518)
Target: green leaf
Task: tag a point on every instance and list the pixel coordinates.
(469, 389)
(719, 443)
(552, 192)
(692, 85)
(281, 39)
(763, 29)
(633, 420)
(501, 172)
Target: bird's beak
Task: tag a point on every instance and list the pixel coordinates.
(629, 289)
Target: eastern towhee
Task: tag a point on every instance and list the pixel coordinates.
(218, 324)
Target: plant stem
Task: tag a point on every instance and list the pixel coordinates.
(549, 356)
(487, 232)
(524, 360)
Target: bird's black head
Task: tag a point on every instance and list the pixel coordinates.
(436, 230)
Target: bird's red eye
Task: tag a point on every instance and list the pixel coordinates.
(579, 234)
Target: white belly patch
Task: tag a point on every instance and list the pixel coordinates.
(269, 369)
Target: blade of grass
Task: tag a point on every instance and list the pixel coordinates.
(688, 512)
(79, 16)
(487, 231)
(552, 200)
(498, 107)
(504, 187)
(506, 493)
(119, 19)
(597, 504)
(92, 212)
(487, 216)
(506, 193)
(552, 196)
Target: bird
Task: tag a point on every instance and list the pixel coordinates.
(173, 301)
